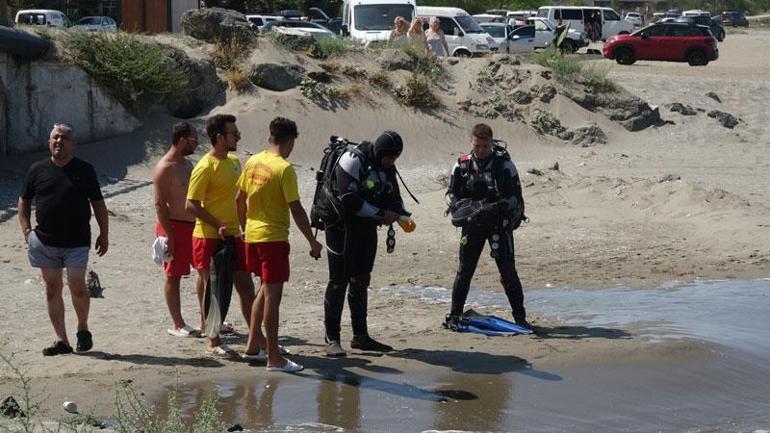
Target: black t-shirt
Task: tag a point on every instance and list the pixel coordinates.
(62, 201)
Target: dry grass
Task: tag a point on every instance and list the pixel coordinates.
(381, 79)
(354, 72)
(417, 93)
(238, 80)
(332, 68)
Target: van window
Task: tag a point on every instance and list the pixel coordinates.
(569, 14)
(611, 16)
(542, 13)
(468, 24)
(32, 19)
(447, 25)
(380, 17)
(256, 21)
(525, 31)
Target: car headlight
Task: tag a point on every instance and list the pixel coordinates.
(482, 47)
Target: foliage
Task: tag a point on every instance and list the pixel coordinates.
(425, 63)
(594, 76)
(381, 80)
(27, 402)
(229, 54)
(136, 72)
(546, 123)
(238, 80)
(563, 66)
(317, 91)
(134, 415)
(417, 93)
(333, 46)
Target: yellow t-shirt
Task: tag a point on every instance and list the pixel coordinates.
(213, 183)
(270, 183)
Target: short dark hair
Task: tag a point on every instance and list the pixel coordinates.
(217, 125)
(482, 130)
(181, 130)
(283, 130)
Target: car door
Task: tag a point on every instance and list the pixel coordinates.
(522, 40)
(611, 24)
(676, 42)
(649, 42)
(452, 33)
(543, 34)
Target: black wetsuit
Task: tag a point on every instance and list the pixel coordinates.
(366, 192)
(494, 180)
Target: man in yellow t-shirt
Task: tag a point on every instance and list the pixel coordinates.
(211, 199)
(268, 192)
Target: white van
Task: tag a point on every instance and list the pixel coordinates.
(259, 21)
(42, 17)
(372, 20)
(611, 22)
(463, 34)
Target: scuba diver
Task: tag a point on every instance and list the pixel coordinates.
(485, 199)
(365, 185)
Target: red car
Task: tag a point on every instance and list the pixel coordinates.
(670, 41)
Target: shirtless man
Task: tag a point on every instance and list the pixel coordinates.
(170, 180)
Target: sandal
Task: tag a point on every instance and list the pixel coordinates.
(57, 348)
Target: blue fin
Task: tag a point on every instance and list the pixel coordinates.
(494, 323)
(482, 331)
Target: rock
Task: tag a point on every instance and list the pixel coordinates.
(393, 59)
(204, 88)
(95, 289)
(452, 60)
(320, 76)
(294, 39)
(545, 92)
(543, 122)
(70, 407)
(276, 77)
(555, 166)
(535, 171)
(217, 24)
(726, 119)
(234, 427)
(714, 96)
(669, 178)
(521, 97)
(631, 112)
(684, 110)
(546, 74)
(589, 135)
(9, 408)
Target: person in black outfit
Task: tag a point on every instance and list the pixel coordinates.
(366, 186)
(487, 176)
(64, 189)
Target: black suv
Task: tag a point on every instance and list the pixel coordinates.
(716, 29)
(734, 19)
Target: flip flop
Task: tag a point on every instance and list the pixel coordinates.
(186, 332)
(227, 328)
(259, 357)
(222, 351)
(290, 367)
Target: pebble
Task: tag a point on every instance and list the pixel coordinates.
(70, 407)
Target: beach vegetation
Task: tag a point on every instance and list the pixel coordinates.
(425, 63)
(231, 53)
(238, 80)
(330, 47)
(417, 93)
(594, 76)
(317, 91)
(544, 122)
(564, 66)
(136, 72)
(381, 79)
(354, 72)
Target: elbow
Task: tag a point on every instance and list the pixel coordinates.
(190, 207)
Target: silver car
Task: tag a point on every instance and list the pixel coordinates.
(96, 24)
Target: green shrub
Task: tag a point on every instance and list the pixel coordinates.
(595, 76)
(563, 66)
(546, 123)
(381, 79)
(317, 91)
(417, 93)
(135, 72)
(425, 63)
(329, 47)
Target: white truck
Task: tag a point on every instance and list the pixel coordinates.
(463, 34)
(611, 24)
(372, 20)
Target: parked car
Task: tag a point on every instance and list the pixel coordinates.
(488, 18)
(545, 32)
(42, 17)
(510, 40)
(609, 20)
(318, 16)
(733, 18)
(259, 21)
(635, 18)
(96, 24)
(372, 20)
(703, 20)
(671, 41)
(316, 30)
(463, 34)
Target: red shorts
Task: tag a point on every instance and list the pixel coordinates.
(204, 248)
(183, 231)
(269, 260)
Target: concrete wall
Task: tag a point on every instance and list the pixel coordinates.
(35, 95)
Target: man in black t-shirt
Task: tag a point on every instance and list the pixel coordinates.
(63, 189)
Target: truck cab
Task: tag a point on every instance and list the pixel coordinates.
(372, 20)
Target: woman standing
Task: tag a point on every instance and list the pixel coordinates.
(398, 34)
(436, 39)
(417, 37)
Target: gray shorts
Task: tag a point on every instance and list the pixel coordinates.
(42, 256)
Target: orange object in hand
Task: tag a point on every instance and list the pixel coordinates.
(407, 224)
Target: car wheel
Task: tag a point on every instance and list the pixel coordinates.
(721, 35)
(624, 56)
(568, 46)
(697, 58)
(462, 53)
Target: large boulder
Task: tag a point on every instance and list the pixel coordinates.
(204, 88)
(589, 135)
(726, 119)
(392, 59)
(217, 24)
(276, 77)
(620, 106)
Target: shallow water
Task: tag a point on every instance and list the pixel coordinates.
(728, 393)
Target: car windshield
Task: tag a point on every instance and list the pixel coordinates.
(468, 24)
(643, 29)
(495, 31)
(86, 21)
(31, 19)
(380, 17)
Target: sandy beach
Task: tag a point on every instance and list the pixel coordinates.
(682, 202)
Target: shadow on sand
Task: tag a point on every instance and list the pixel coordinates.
(141, 359)
(476, 362)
